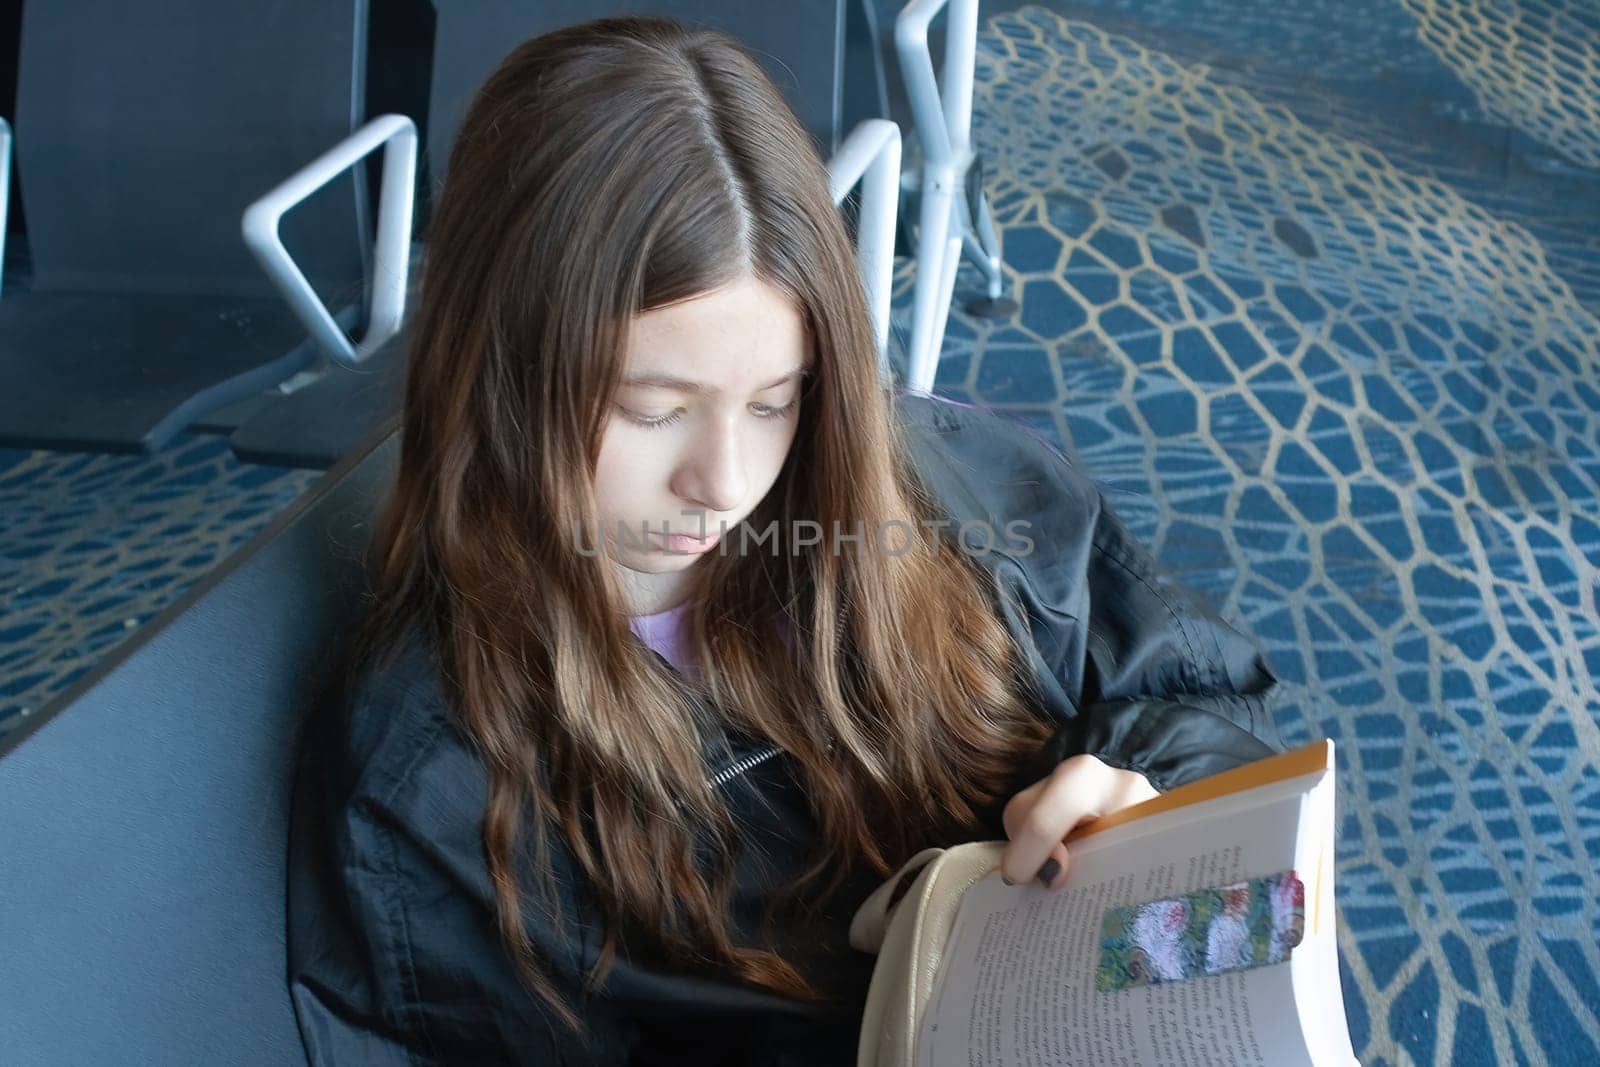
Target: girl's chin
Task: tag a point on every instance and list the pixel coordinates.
(660, 562)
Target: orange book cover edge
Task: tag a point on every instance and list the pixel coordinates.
(1307, 759)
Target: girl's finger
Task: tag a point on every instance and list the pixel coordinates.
(1053, 872)
(1073, 793)
(1017, 808)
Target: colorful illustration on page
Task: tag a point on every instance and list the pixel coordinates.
(1210, 931)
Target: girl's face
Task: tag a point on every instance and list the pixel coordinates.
(698, 432)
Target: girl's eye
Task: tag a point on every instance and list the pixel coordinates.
(652, 421)
(769, 412)
(764, 411)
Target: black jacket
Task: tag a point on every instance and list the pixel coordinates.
(393, 950)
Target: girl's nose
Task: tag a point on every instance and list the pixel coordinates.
(712, 474)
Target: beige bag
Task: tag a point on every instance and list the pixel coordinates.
(909, 938)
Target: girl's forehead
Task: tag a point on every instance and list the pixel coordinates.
(747, 298)
(739, 333)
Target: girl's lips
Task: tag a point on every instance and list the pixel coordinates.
(684, 543)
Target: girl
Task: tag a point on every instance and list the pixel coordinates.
(684, 630)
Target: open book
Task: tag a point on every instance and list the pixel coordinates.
(1194, 928)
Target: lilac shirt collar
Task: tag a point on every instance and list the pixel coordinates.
(667, 633)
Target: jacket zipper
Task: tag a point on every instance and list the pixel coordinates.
(743, 764)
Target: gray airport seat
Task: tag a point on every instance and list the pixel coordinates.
(316, 427)
(146, 810)
(141, 133)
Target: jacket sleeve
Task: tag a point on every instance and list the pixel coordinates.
(1128, 664)
(1164, 686)
(344, 947)
(394, 955)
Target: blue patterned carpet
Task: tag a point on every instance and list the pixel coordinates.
(93, 546)
(1314, 291)
(1304, 286)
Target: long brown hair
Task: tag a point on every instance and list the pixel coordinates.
(603, 170)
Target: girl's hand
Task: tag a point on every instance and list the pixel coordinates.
(1038, 818)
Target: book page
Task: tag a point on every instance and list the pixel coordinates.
(1315, 963)
(1017, 983)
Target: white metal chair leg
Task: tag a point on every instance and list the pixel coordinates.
(944, 126)
(947, 286)
(984, 247)
(986, 261)
(934, 245)
(5, 189)
(870, 154)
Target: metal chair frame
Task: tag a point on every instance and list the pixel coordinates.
(868, 156)
(953, 217)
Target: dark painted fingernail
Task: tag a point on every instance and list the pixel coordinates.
(1006, 880)
(1048, 872)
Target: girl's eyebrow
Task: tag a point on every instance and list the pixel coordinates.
(684, 385)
